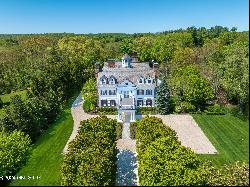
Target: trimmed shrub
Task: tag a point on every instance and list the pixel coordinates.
(147, 110)
(236, 174)
(166, 163)
(215, 109)
(91, 159)
(88, 106)
(185, 107)
(119, 131)
(148, 129)
(132, 129)
(14, 152)
(107, 110)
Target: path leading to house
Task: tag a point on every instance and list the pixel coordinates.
(78, 115)
(189, 133)
(127, 166)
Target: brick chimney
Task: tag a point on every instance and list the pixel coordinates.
(111, 63)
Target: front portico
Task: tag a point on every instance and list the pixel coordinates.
(126, 116)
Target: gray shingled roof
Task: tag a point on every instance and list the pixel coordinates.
(132, 74)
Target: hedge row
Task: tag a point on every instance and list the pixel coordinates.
(148, 129)
(119, 131)
(91, 159)
(107, 110)
(147, 110)
(132, 130)
(163, 161)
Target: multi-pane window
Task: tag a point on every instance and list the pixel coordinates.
(103, 81)
(112, 80)
(104, 103)
(140, 92)
(104, 92)
(112, 92)
(148, 92)
(126, 94)
(149, 102)
(140, 102)
(112, 103)
(141, 80)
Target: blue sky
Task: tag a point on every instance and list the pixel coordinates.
(126, 16)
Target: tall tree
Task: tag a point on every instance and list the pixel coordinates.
(163, 98)
(236, 72)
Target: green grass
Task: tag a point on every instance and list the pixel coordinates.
(229, 135)
(6, 98)
(46, 157)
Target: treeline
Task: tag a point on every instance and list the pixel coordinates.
(51, 70)
(51, 66)
(199, 65)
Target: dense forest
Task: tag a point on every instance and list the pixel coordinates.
(197, 64)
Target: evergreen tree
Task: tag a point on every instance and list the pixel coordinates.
(163, 98)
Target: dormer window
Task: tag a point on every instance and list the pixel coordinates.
(149, 80)
(103, 80)
(112, 80)
(141, 80)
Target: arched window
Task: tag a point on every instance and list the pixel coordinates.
(112, 80)
(103, 80)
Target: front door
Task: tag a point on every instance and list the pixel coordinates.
(126, 94)
(127, 117)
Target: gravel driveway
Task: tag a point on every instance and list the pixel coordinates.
(79, 115)
(189, 133)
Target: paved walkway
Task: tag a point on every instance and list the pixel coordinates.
(127, 166)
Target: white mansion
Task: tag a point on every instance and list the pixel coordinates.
(126, 85)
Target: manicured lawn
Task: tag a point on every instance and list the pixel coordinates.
(47, 157)
(229, 135)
